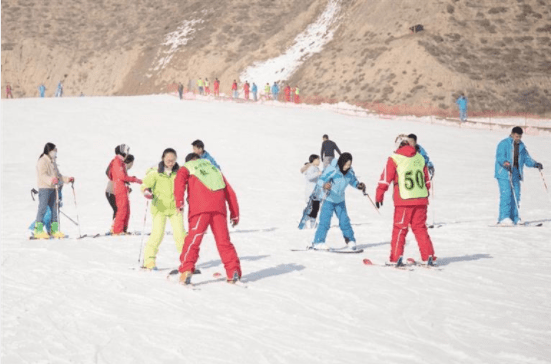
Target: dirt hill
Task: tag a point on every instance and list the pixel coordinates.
(497, 52)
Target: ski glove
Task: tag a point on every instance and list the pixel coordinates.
(55, 181)
(327, 186)
(538, 166)
(379, 204)
(147, 194)
(234, 221)
(431, 171)
(361, 186)
(507, 166)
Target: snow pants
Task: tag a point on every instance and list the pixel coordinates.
(158, 232)
(463, 114)
(113, 202)
(255, 96)
(46, 198)
(207, 91)
(325, 221)
(216, 91)
(218, 223)
(509, 198)
(416, 216)
(246, 95)
(275, 96)
(123, 213)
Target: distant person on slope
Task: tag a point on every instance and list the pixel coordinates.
(158, 186)
(311, 174)
(234, 89)
(199, 149)
(246, 89)
(406, 169)
(59, 90)
(200, 85)
(207, 87)
(254, 90)
(42, 89)
(267, 90)
(511, 156)
(109, 191)
(216, 87)
(462, 104)
(413, 142)
(333, 183)
(207, 194)
(287, 92)
(297, 95)
(8, 91)
(328, 148)
(117, 173)
(49, 180)
(275, 91)
(180, 90)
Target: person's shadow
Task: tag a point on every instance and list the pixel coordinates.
(465, 258)
(365, 246)
(217, 262)
(272, 271)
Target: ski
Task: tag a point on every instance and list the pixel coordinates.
(526, 224)
(50, 238)
(343, 250)
(407, 266)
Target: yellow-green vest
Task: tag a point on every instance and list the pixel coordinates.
(208, 174)
(411, 177)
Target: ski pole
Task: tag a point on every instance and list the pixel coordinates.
(432, 198)
(545, 185)
(33, 192)
(374, 206)
(76, 207)
(64, 214)
(143, 232)
(514, 194)
(57, 208)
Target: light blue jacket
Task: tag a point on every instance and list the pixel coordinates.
(425, 155)
(504, 153)
(207, 156)
(462, 103)
(254, 89)
(275, 89)
(340, 182)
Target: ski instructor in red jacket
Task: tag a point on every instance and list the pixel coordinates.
(407, 170)
(207, 192)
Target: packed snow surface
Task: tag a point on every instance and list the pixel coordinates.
(78, 301)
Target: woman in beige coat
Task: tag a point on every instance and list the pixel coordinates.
(48, 178)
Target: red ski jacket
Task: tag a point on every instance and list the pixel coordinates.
(389, 175)
(234, 86)
(216, 85)
(117, 174)
(200, 199)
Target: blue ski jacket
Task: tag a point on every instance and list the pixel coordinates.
(254, 89)
(340, 182)
(425, 155)
(504, 153)
(462, 103)
(275, 89)
(207, 156)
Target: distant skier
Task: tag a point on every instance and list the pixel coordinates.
(180, 90)
(275, 91)
(246, 89)
(109, 190)
(311, 174)
(297, 95)
(254, 90)
(216, 87)
(59, 90)
(158, 186)
(200, 85)
(511, 156)
(117, 173)
(49, 179)
(462, 104)
(413, 142)
(199, 149)
(407, 170)
(333, 183)
(328, 148)
(8, 91)
(42, 90)
(207, 193)
(287, 92)
(234, 89)
(267, 90)
(207, 87)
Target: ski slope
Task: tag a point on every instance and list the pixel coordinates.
(78, 301)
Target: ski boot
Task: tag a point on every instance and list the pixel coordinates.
(430, 262)
(235, 278)
(350, 244)
(55, 231)
(185, 278)
(39, 232)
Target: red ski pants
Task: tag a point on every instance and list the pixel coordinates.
(416, 216)
(198, 224)
(246, 95)
(123, 213)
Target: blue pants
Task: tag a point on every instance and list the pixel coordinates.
(41, 94)
(463, 114)
(325, 221)
(47, 220)
(507, 205)
(46, 198)
(275, 95)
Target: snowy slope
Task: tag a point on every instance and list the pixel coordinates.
(77, 301)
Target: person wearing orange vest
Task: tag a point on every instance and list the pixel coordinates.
(407, 170)
(246, 88)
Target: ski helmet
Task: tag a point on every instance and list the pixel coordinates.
(122, 149)
(401, 140)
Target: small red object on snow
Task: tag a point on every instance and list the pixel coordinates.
(411, 261)
(216, 275)
(367, 262)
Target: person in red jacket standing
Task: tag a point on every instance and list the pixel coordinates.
(407, 170)
(287, 91)
(8, 91)
(234, 89)
(216, 87)
(207, 191)
(246, 88)
(117, 174)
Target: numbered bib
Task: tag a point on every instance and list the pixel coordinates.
(411, 178)
(208, 174)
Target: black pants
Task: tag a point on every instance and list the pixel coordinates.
(315, 209)
(112, 202)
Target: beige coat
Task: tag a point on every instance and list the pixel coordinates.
(46, 169)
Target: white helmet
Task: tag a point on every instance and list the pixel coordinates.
(401, 140)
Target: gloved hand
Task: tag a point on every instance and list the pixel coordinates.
(71, 179)
(379, 204)
(361, 186)
(55, 181)
(538, 166)
(431, 171)
(138, 181)
(507, 166)
(327, 186)
(234, 221)
(147, 194)
(60, 203)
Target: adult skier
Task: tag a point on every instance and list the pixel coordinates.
(254, 90)
(199, 149)
(511, 157)
(311, 174)
(207, 87)
(287, 92)
(275, 91)
(423, 152)
(462, 104)
(158, 186)
(42, 89)
(180, 90)
(207, 193)
(8, 91)
(49, 179)
(407, 170)
(59, 90)
(234, 89)
(328, 148)
(200, 85)
(216, 87)
(297, 95)
(246, 89)
(266, 90)
(117, 173)
(109, 190)
(332, 184)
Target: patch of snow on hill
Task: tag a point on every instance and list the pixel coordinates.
(174, 40)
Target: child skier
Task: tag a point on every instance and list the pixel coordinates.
(207, 193)
(423, 152)
(49, 180)
(312, 173)
(117, 173)
(199, 149)
(407, 170)
(158, 186)
(109, 192)
(334, 181)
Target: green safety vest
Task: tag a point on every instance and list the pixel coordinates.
(411, 177)
(296, 91)
(208, 174)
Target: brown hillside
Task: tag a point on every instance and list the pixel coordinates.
(498, 52)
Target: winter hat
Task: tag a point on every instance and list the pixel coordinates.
(401, 140)
(343, 159)
(122, 149)
(517, 130)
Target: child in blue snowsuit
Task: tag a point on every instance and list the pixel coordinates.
(423, 152)
(333, 182)
(511, 156)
